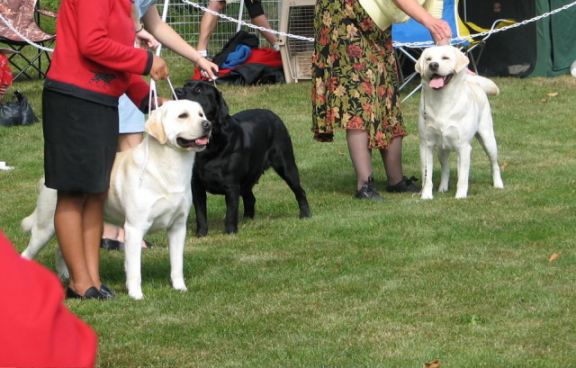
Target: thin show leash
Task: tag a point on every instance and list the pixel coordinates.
(152, 97)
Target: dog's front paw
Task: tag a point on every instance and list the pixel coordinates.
(134, 289)
(426, 194)
(179, 285)
(136, 294)
(498, 184)
(460, 195)
(443, 188)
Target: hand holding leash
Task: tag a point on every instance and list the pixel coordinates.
(159, 68)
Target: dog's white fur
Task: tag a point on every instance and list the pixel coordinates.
(149, 190)
(451, 114)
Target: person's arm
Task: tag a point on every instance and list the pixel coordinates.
(438, 28)
(171, 39)
(95, 43)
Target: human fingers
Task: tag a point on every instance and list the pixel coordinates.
(209, 69)
(441, 32)
(159, 69)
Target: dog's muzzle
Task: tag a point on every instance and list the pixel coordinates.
(197, 143)
(439, 81)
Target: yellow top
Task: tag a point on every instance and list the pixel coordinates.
(384, 12)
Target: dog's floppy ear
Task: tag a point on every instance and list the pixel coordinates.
(222, 106)
(419, 66)
(462, 60)
(154, 125)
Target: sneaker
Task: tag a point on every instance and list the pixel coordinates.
(91, 293)
(106, 292)
(367, 191)
(406, 185)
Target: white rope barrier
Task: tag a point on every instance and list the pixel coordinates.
(249, 25)
(9, 25)
(309, 39)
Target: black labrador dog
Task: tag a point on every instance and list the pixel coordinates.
(241, 148)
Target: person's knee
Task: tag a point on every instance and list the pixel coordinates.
(217, 6)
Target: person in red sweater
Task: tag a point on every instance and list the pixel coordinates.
(93, 64)
(36, 328)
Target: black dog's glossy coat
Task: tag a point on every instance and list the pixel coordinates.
(241, 148)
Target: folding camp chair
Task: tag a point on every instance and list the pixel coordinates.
(23, 16)
(410, 38)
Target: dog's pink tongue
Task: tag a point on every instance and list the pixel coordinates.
(436, 82)
(201, 141)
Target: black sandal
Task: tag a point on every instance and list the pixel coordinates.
(90, 293)
(368, 191)
(406, 185)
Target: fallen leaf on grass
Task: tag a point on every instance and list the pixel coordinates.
(553, 257)
(433, 364)
(552, 94)
(504, 166)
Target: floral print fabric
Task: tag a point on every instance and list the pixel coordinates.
(354, 75)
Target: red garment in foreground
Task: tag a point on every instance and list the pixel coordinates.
(36, 328)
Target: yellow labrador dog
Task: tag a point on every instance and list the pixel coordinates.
(454, 109)
(149, 190)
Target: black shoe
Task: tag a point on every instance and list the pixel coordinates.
(111, 244)
(91, 293)
(106, 292)
(405, 185)
(368, 192)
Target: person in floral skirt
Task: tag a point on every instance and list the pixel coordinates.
(355, 85)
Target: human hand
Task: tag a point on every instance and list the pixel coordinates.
(145, 39)
(440, 31)
(208, 68)
(159, 69)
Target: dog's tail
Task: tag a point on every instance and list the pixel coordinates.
(28, 222)
(486, 84)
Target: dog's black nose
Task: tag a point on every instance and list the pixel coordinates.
(433, 66)
(206, 125)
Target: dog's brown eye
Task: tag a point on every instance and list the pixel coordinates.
(428, 58)
(201, 114)
(445, 58)
(184, 115)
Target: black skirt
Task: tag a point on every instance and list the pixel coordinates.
(80, 140)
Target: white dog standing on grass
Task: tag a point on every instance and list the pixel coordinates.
(149, 190)
(454, 108)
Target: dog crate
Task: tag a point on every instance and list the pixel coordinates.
(297, 18)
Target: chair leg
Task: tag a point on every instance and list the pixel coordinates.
(34, 63)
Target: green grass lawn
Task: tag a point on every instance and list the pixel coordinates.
(360, 284)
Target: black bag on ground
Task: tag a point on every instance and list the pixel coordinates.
(17, 112)
(241, 37)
